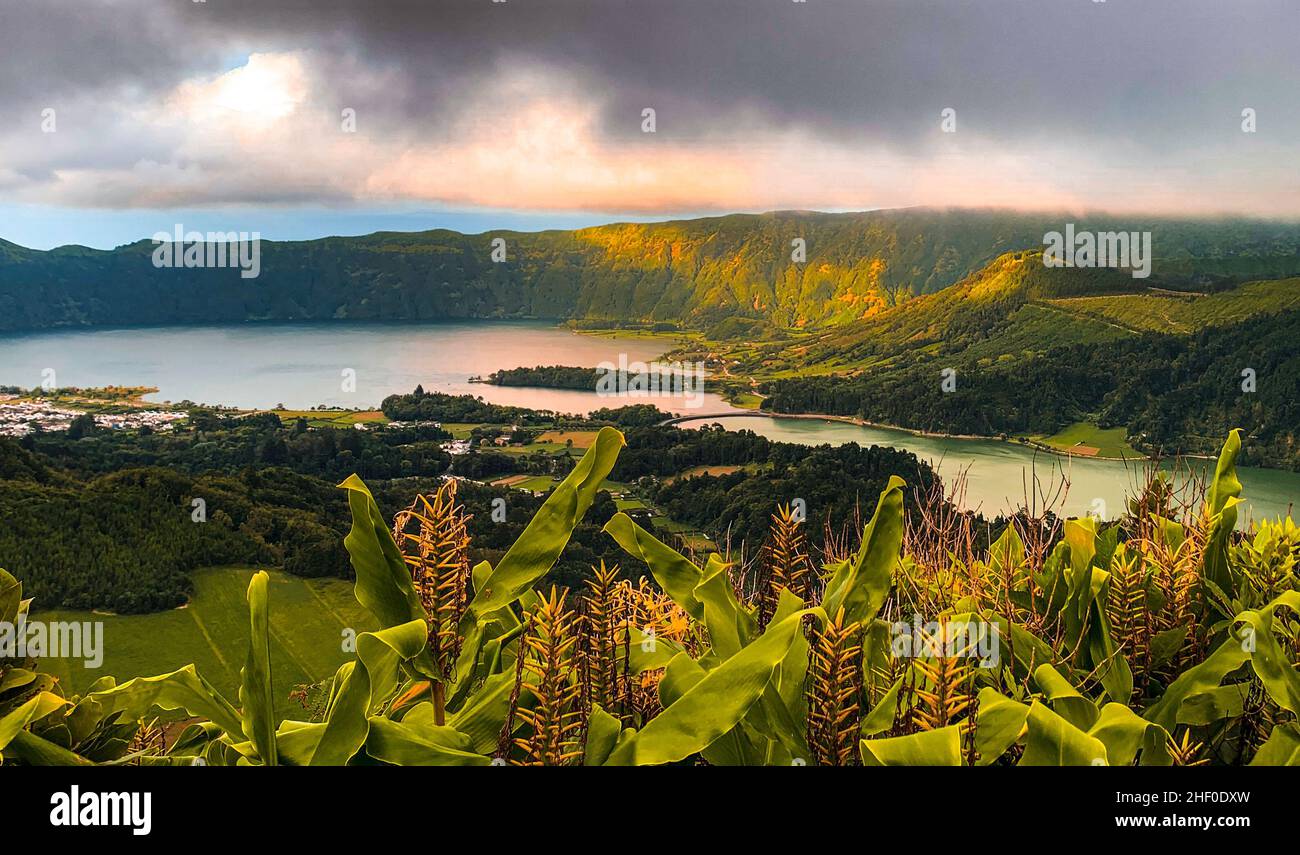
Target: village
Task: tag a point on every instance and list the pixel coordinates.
(20, 416)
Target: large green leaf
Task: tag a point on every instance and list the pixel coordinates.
(1256, 644)
(713, 705)
(1271, 662)
(1001, 724)
(1281, 749)
(603, 731)
(371, 679)
(861, 585)
(883, 715)
(483, 716)
(1125, 734)
(1052, 741)
(940, 747)
(416, 741)
(36, 708)
(35, 751)
(1194, 681)
(11, 594)
(675, 574)
(183, 689)
(1223, 497)
(383, 583)
(1064, 698)
(535, 552)
(256, 695)
(731, 626)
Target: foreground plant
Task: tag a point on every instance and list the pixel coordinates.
(1153, 640)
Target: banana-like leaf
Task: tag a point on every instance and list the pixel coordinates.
(256, 695)
(1194, 681)
(1125, 734)
(1065, 699)
(1281, 749)
(37, 708)
(785, 702)
(860, 586)
(535, 552)
(940, 747)
(1001, 724)
(383, 583)
(675, 574)
(35, 751)
(714, 705)
(1007, 553)
(1223, 702)
(1051, 740)
(647, 652)
(371, 679)
(11, 595)
(419, 742)
(603, 731)
(1256, 644)
(680, 675)
(1085, 619)
(183, 689)
(1223, 497)
(731, 626)
(1271, 662)
(483, 716)
(882, 715)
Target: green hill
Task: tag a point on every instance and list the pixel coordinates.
(1167, 368)
(700, 272)
(1013, 309)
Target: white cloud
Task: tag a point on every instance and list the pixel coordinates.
(531, 137)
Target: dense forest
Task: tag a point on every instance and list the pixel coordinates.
(547, 376)
(422, 406)
(836, 484)
(110, 521)
(1174, 393)
(115, 520)
(701, 272)
(632, 415)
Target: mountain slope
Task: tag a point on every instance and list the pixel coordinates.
(695, 272)
(1168, 368)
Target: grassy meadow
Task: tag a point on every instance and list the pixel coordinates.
(1088, 440)
(308, 617)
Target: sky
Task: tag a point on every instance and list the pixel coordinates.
(303, 118)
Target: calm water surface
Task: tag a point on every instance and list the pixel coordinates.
(1002, 475)
(301, 365)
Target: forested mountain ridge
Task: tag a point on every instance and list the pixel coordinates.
(695, 272)
(1030, 350)
(1013, 309)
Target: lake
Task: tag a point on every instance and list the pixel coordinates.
(301, 365)
(1003, 475)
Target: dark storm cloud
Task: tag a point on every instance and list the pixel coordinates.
(1158, 72)
(1138, 94)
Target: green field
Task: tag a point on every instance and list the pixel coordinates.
(1109, 442)
(537, 483)
(461, 430)
(746, 401)
(331, 418)
(307, 621)
(1186, 313)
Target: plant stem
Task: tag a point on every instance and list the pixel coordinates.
(439, 704)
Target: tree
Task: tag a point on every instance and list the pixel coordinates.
(82, 426)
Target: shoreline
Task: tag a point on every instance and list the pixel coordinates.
(853, 420)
